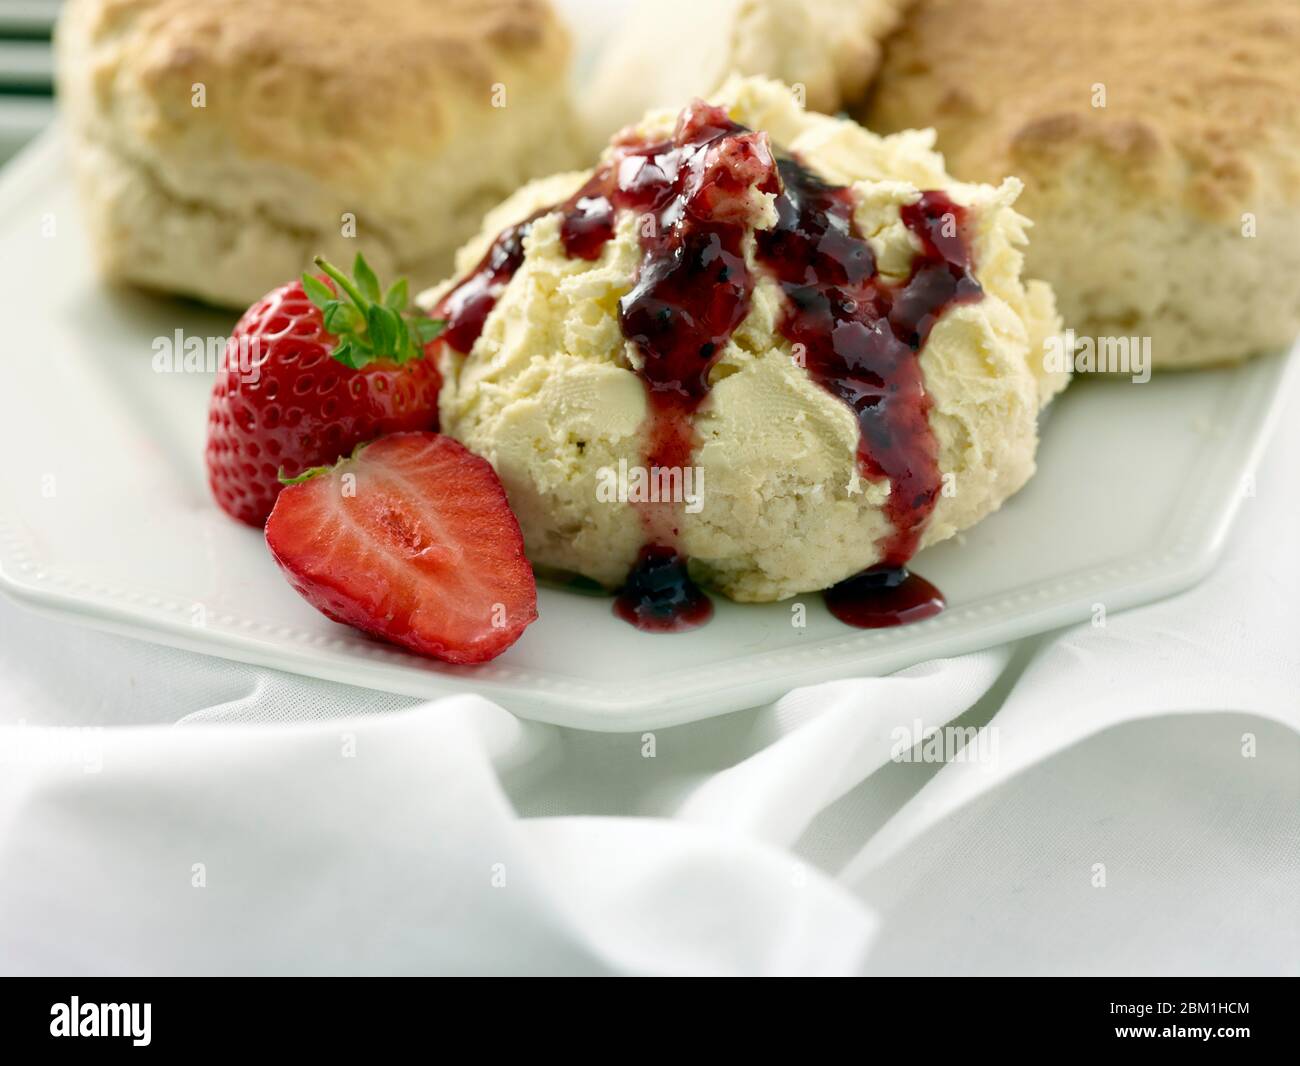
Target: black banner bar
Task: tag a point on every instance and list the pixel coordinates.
(144, 1016)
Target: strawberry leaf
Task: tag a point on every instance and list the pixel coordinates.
(369, 329)
(382, 336)
(340, 318)
(317, 291)
(345, 353)
(397, 295)
(366, 280)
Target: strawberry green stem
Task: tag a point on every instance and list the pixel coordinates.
(370, 324)
(343, 281)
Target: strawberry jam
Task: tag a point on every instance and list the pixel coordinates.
(883, 596)
(861, 340)
(465, 309)
(696, 198)
(695, 195)
(858, 336)
(660, 596)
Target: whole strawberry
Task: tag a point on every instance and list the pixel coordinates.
(308, 375)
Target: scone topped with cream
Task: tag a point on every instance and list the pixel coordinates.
(762, 340)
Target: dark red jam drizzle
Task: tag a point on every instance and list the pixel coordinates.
(465, 309)
(660, 596)
(860, 337)
(695, 196)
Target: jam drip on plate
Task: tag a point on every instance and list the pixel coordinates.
(883, 596)
(660, 596)
(859, 336)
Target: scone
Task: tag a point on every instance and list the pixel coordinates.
(761, 338)
(668, 51)
(220, 144)
(1159, 145)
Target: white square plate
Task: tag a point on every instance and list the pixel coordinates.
(105, 517)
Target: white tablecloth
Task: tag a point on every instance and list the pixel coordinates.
(1140, 812)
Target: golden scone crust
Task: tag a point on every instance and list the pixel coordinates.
(245, 130)
(1159, 144)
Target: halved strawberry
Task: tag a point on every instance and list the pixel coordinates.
(410, 539)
